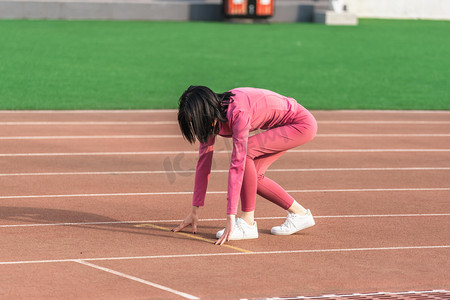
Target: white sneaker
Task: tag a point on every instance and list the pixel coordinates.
(294, 223)
(241, 231)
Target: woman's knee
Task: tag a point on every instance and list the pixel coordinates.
(260, 177)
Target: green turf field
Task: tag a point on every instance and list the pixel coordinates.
(379, 64)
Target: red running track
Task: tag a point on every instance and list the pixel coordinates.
(87, 200)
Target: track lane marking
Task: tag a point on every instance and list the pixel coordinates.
(224, 171)
(336, 250)
(174, 110)
(140, 280)
(191, 236)
(216, 219)
(223, 192)
(215, 152)
(88, 123)
(341, 296)
(89, 111)
(173, 136)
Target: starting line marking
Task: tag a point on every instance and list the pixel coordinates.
(223, 192)
(195, 237)
(158, 286)
(146, 222)
(226, 254)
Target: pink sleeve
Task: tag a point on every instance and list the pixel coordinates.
(240, 124)
(205, 154)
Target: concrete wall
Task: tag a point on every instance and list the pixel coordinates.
(172, 10)
(211, 10)
(400, 9)
(102, 10)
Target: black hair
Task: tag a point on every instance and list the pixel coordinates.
(198, 109)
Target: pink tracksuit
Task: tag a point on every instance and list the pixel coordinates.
(287, 125)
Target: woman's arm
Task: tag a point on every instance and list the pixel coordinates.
(201, 183)
(203, 171)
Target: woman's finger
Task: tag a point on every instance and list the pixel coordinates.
(194, 227)
(220, 240)
(180, 227)
(223, 238)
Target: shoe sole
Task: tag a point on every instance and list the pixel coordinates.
(244, 238)
(289, 233)
(238, 239)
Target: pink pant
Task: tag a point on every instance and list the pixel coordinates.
(266, 147)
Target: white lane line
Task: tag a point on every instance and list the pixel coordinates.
(85, 123)
(228, 254)
(73, 137)
(112, 111)
(109, 153)
(358, 111)
(355, 295)
(377, 111)
(224, 171)
(384, 135)
(215, 152)
(174, 136)
(384, 122)
(120, 274)
(214, 220)
(127, 111)
(224, 192)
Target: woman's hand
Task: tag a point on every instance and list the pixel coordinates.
(228, 230)
(191, 219)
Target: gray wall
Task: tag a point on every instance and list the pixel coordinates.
(175, 10)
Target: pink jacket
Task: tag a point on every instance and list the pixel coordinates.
(251, 109)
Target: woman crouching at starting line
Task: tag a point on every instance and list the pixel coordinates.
(203, 114)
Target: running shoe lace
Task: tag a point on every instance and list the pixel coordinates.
(288, 223)
(239, 226)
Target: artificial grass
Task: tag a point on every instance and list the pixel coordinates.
(379, 64)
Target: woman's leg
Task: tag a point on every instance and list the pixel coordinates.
(263, 149)
(248, 191)
(272, 191)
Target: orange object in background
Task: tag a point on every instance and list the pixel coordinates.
(236, 7)
(248, 8)
(264, 7)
